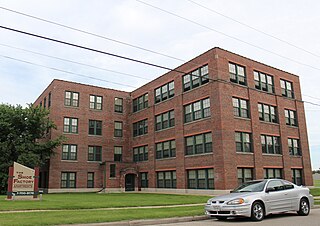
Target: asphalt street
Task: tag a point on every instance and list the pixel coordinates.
(287, 219)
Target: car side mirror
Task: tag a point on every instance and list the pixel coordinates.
(270, 189)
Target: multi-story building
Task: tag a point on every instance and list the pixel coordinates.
(215, 121)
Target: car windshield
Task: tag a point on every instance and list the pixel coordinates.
(251, 186)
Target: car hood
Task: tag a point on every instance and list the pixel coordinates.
(232, 196)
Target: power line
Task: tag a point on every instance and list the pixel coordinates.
(255, 29)
(75, 62)
(68, 72)
(316, 98)
(90, 33)
(224, 34)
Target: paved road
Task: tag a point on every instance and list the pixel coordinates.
(288, 219)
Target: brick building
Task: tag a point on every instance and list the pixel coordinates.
(224, 120)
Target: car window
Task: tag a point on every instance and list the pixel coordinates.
(288, 185)
(276, 184)
(251, 186)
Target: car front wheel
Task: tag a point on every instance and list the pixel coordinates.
(257, 211)
(304, 207)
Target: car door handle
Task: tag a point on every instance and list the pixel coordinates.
(286, 194)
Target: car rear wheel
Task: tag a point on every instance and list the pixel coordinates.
(257, 211)
(221, 218)
(304, 207)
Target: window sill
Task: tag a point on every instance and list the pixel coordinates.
(92, 135)
(198, 120)
(164, 129)
(200, 86)
(95, 110)
(202, 154)
(242, 118)
(275, 155)
(140, 135)
(67, 106)
(269, 123)
(170, 98)
(294, 127)
(162, 159)
(70, 133)
(296, 156)
(100, 162)
(67, 160)
(245, 153)
(139, 110)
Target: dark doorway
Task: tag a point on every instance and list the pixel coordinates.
(130, 182)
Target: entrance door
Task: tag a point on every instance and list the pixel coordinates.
(129, 182)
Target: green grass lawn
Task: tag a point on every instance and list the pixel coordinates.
(315, 191)
(316, 183)
(71, 201)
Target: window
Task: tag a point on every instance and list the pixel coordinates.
(118, 105)
(267, 113)
(140, 154)
(244, 174)
(118, 154)
(68, 180)
(291, 117)
(71, 99)
(90, 180)
(272, 173)
(144, 183)
(198, 144)
(286, 88)
(197, 110)
(70, 125)
(69, 152)
(166, 179)
(95, 127)
(200, 179)
(166, 149)
(270, 144)
(140, 103)
(45, 102)
(94, 153)
(294, 146)
(118, 129)
(164, 120)
(95, 102)
(164, 92)
(297, 176)
(237, 74)
(201, 76)
(140, 128)
(243, 142)
(49, 100)
(112, 170)
(240, 108)
(263, 82)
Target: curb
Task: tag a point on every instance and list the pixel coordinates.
(146, 222)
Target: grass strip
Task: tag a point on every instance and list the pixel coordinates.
(315, 191)
(94, 216)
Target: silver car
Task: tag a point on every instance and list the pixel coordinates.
(256, 199)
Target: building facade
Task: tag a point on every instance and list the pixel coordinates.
(210, 124)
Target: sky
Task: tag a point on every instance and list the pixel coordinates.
(283, 34)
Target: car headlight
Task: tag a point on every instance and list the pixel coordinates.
(236, 201)
(209, 202)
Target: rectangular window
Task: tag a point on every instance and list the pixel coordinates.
(286, 88)
(95, 153)
(71, 99)
(263, 82)
(270, 173)
(112, 170)
(196, 78)
(90, 180)
(118, 105)
(45, 102)
(140, 128)
(118, 129)
(69, 152)
(140, 103)
(291, 117)
(68, 180)
(140, 154)
(164, 92)
(95, 127)
(198, 144)
(200, 179)
(144, 183)
(166, 149)
(267, 113)
(243, 142)
(166, 179)
(95, 102)
(237, 74)
(244, 174)
(70, 125)
(197, 110)
(117, 154)
(294, 147)
(297, 176)
(270, 144)
(164, 120)
(49, 100)
(240, 107)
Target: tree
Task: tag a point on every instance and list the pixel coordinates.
(23, 138)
